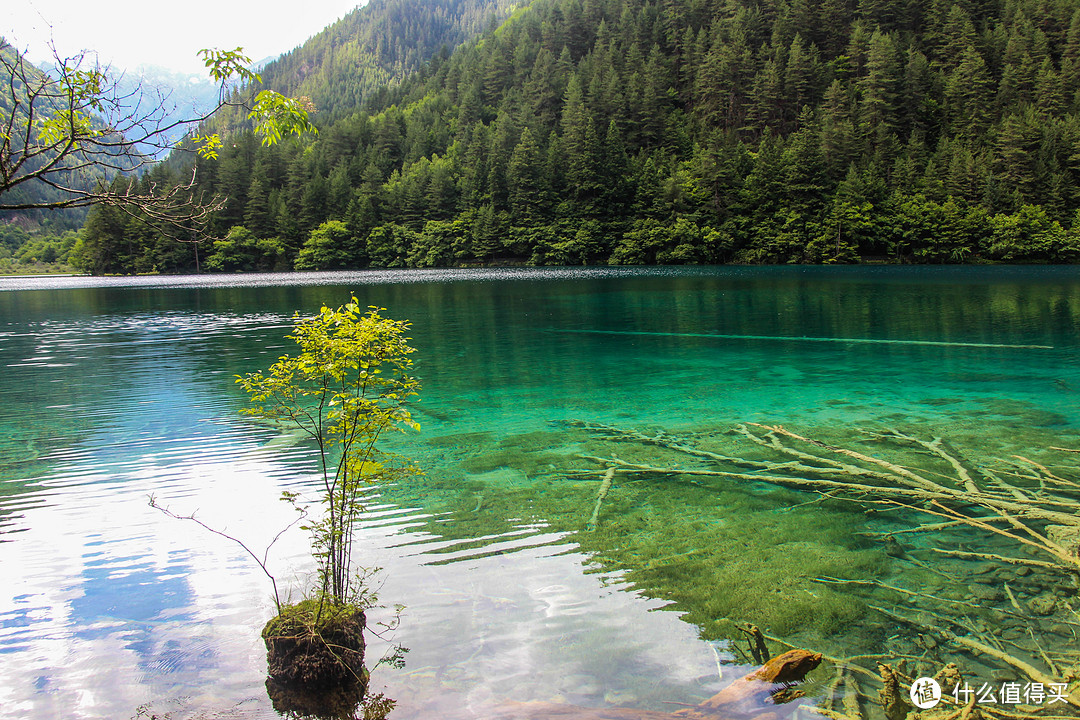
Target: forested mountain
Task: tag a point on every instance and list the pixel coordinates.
(366, 52)
(667, 131)
(372, 47)
(375, 46)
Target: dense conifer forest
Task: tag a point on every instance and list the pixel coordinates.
(665, 131)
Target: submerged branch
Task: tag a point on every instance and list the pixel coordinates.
(605, 486)
(1035, 513)
(999, 558)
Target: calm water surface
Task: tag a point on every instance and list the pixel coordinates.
(115, 389)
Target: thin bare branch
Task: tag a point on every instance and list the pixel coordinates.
(261, 562)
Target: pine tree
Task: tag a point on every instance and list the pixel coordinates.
(918, 111)
(441, 196)
(880, 90)
(615, 192)
(575, 149)
(798, 78)
(967, 94)
(767, 93)
(957, 35)
(524, 178)
(257, 211)
(1049, 90)
(503, 140)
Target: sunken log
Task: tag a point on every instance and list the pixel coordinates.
(757, 695)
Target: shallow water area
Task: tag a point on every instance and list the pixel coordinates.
(116, 389)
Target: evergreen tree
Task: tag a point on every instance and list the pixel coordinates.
(257, 211)
(525, 180)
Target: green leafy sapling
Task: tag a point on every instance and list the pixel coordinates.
(346, 388)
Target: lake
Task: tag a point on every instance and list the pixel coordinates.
(115, 389)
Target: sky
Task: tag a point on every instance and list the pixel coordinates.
(126, 33)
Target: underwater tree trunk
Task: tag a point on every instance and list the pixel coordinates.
(756, 695)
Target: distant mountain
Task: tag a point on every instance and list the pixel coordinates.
(258, 65)
(188, 89)
(182, 96)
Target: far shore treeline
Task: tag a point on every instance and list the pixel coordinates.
(668, 131)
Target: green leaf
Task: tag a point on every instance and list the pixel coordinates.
(226, 64)
(277, 116)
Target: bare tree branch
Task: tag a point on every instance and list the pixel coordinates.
(66, 134)
(261, 562)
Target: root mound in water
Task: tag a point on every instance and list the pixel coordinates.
(317, 645)
(333, 703)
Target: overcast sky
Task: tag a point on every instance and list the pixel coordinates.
(128, 33)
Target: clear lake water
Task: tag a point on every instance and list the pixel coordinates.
(115, 389)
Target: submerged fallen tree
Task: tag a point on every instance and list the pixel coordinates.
(1024, 513)
(761, 693)
(1035, 517)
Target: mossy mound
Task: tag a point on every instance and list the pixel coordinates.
(317, 645)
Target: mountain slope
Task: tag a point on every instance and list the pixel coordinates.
(641, 131)
(376, 45)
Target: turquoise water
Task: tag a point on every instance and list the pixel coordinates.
(115, 389)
